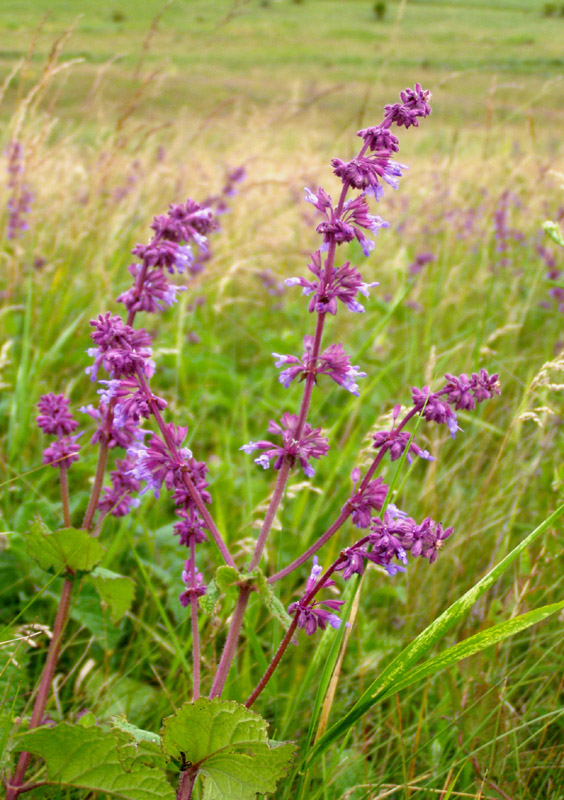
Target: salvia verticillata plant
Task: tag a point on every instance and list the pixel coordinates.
(21, 197)
(220, 743)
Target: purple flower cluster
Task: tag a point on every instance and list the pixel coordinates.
(55, 419)
(390, 540)
(333, 362)
(193, 580)
(344, 283)
(121, 350)
(171, 250)
(310, 615)
(117, 500)
(310, 444)
(21, 197)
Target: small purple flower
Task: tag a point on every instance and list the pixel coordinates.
(311, 617)
(415, 103)
(364, 502)
(430, 537)
(117, 500)
(434, 409)
(367, 172)
(344, 284)
(333, 362)
(54, 416)
(154, 464)
(158, 253)
(421, 260)
(121, 349)
(124, 435)
(185, 222)
(396, 442)
(378, 138)
(193, 581)
(311, 444)
(189, 527)
(464, 392)
(63, 452)
(132, 404)
(155, 293)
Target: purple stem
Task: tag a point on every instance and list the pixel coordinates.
(194, 493)
(195, 629)
(231, 641)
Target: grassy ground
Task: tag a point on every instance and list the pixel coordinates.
(282, 88)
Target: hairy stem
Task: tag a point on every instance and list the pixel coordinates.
(270, 514)
(231, 641)
(194, 493)
(44, 690)
(98, 481)
(65, 496)
(186, 785)
(195, 629)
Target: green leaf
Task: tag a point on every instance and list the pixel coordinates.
(228, 578)
(397, 672)
(273, 604)
(137, 745)
(228, 745)
(115, 591)
(208, 601)
(554, 232)
(66, 550)
(474, 644)
(88, 759)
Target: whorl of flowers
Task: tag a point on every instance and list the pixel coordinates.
(21, 198)
(55, 419)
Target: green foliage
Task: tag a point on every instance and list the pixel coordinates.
(228, 745)
(116, 591)
(90, 759)
(554, 232)
(67, 550)
(397, 674)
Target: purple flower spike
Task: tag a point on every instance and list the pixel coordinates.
(311, 444)
(367, 172)
(54, 416)
(464, 392)
(63, 452)
(378, 138)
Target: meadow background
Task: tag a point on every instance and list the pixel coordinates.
(130, 106)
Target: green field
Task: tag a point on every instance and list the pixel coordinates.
(144, 119)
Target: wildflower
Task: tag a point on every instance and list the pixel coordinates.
(117, 500)
(364, 501)
(344, 283)
(434, 409)
(333, 362)
(154, 464)
(464, 392)
(55, 417)
(132, 404)
(125, 435)
(19, 203)
(121, 349)
(193, 581)
(311, 444)
(311, 616)
(63, 452)
(154, 294)
(366, 172)
(415, 103)
(379, 138)
(184, 222)
(396, 442)
(189, 527)
(430, 537)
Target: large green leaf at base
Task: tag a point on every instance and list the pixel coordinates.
(229, 745)
(88, 759)
(68, 549)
